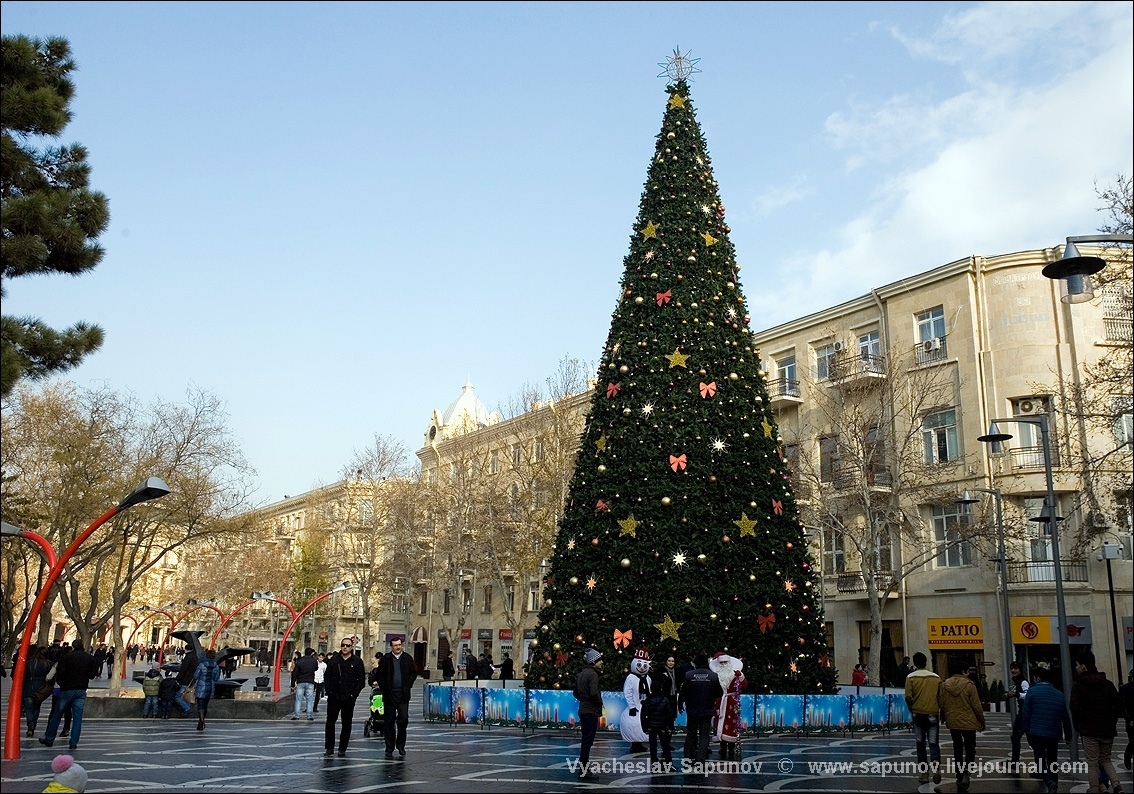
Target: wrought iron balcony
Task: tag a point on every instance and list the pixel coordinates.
(931, 351)
(783, 391)
(1044, 571)
(846, 369)
(856, 583)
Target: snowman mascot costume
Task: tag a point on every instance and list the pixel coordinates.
(634, 688)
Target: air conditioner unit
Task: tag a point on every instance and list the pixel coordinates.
(839, 345)
(1031, 407)
(930, 345)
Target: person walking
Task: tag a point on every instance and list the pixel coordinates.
(486, 668)
(658, 712)
(344, 679)
(964, 716)
(1126, 697)
(320, 672)
(447, 667)
(185, 675)
(588, 692)
(395, 676)
(1045, 719)
(472, 666)
(304, 674)
(73, 675)
(151, 688)
(207, 674)
(904, 669)
(1095, 710)
(1018, 692)
(35, 676)
(670, 682)
(697, 698)
(923, 689)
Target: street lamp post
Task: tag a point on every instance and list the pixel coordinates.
(1108, 552)
(1001, 557)
(152, 488)
(996, 436)
(295, 618)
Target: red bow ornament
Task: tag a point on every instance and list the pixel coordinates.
(664, 297)
(601, 505)
(777, 507)
(677, 462)
(766, 621)
(612, 389)
(622, 638)
(708, 389)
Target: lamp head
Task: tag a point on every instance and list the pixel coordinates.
(968, 498)
(10, 530)
(341, 586)
(994, 435)
(152, 488)
(1075, 271)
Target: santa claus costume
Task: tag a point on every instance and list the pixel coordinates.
(634, 688)
(726, 721)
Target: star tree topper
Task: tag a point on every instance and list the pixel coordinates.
(679, 66)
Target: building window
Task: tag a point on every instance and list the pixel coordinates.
(423, 604)
(869, 345)
(834, 552)
(1123, 408)
(533, 597)
(400, 604)
(539, 450)
(785, 368)
(510, 598)
(494, 462)
(517, 455)
(931, 324)
(952, 550)
(447, 601)
(514, 502)
(466, 600)
(939, 432)
(828, 458)
(824, 360)
(487, 595)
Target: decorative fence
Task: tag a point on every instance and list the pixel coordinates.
(555, 709)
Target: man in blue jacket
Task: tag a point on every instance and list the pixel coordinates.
(1045, 719)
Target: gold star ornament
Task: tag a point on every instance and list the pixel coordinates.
(668, 628)
(767, 428)
(708, 238)
(629, 526)
(592, 582)
(677, 101)
(601, 442)
(651, 230)
(747, 525)
(677, 358)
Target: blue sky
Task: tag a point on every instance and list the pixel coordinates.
(332, 214)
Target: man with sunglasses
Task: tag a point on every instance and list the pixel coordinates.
(343, 679)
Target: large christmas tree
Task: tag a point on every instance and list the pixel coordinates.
(680, 531)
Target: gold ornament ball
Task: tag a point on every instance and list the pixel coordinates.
(752, 577)
(574, 580)
(653, 275)
(726, 539)
(713, 616)
(555, 647)
(594, 541)
(733, 376)
(626, 411)
(534, 643)
(688, 601)
(671, 135)
(639, 300)
(665, 500)
(790, 545)
(547, 601)
(601, 468)
(624, 369)
(544, 628)
(625, 562)
(701, 558)
(578, 638)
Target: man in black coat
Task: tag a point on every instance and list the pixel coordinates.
(697, 698)
(185, 676)
(343, 679)
(395, 676)
(73, 675)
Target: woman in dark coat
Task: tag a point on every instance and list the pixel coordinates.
(207, 675)
(35, 676)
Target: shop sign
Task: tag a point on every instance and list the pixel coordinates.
(956, 632)
(530, 634)
(505, 634)
(466, 634)
(484, 634)
(1127, 632)
(1044, 630)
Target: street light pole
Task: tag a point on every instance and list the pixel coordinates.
(1108, 552)
(152, 488)
(994, 435)
(295, 618)
(1005, 614)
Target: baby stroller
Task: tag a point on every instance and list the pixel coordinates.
(376, 724)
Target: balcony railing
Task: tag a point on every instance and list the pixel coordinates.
(851, 367)
(844, 477)
(855, 583)
(1044, 571)
(784, 390)
(1030, 458)
(1118, 329)
(931, 351)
